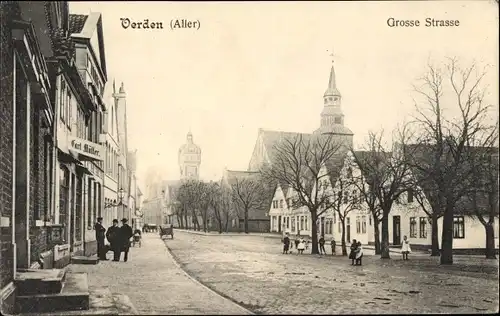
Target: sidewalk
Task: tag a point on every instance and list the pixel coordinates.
(155, 284)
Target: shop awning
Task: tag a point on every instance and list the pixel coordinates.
(84, 170)
(67, 157)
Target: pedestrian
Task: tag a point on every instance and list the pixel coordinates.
(100, 236)
(301, 246)
(125, 235)
(113, 235)
(359, 253)
(352, 254)
(334, 245)
(297, 240)
(286, 244)
(321, 242)
(405, 248)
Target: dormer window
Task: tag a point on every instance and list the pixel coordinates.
(330, 98)
(336, 99)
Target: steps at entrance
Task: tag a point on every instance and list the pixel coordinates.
(74, 296)
(39, 281)
(84, 260)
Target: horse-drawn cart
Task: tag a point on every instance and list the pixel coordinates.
(166, 231)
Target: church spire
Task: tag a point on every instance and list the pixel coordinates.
(332, 84)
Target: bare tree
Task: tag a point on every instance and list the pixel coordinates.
(189, 198)
(387, 173)
(298, 164)
(446, 136)
(248, 194)
(483, 193)
(343, 200)
(368, 197)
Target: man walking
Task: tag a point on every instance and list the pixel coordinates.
(125, 235)
(100, 237)
(113, 236)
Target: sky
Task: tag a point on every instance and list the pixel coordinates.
(267, 64)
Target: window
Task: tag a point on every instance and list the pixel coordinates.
(370, 220)
(410, 196)
(346, 198)
(349, 172)
(281, 203)
(68, 109)
(413, 227)
(62, 100)
(275, 204)
(293, 224)
(338, 120)
(363, 224)
(423, 227)
(63, 194)
(358, 225)
(301, 222)
(288, 222)
(458, 227)
(340, 227)
(354, 196)
(330, 227)
(305, 223)
(289, 202)
(334, 217)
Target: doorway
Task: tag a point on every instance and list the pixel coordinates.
(396, 230)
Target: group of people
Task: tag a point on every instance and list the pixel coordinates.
(356, 253)
(117, 236)
(301, 244)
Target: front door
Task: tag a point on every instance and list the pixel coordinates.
(396, 230)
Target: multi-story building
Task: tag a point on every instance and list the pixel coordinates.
(120, 164)
(26, 133)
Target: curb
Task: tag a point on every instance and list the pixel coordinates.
(195, 280)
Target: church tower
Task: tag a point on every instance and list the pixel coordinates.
(332, 117)
(189, 159)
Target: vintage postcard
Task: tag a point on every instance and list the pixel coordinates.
(235, 158)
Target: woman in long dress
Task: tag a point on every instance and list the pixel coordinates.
(352, 254)
(405, 248)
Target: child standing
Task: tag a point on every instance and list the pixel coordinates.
(301, 246)
(322, 245)
(405, 248)
(334, 245)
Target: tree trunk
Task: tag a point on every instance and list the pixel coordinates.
(490, 240)
(343, 242)
(204, 218)
(186, 222)
(435, 238)
(447, 236)
(246, 221)
(376, 235)
(385, 254)
(314, 233)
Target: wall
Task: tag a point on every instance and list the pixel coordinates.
(7, 12)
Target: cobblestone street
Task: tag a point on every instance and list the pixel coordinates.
(155, 284)
(252, 271)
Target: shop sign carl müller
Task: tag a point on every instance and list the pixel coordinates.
(86, 148)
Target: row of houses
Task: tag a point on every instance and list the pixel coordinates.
(64, 158)
(407, 217)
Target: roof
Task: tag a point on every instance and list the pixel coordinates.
(77, 22)
(337, 129)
